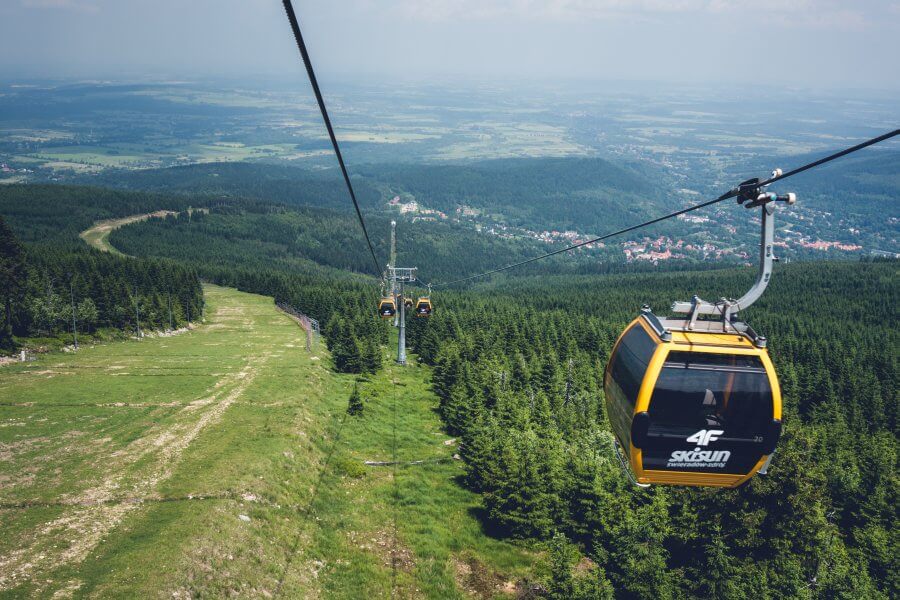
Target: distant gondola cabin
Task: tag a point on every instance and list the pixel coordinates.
(423, 307)
(387, 308)
(698, 407)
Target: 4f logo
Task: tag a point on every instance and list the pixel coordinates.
(705, 436)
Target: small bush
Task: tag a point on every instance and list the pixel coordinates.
(349, 468)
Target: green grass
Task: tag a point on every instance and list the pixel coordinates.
(415, 518)
(93, 155)
(124, 470)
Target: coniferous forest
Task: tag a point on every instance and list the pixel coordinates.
(50, 278)
(517, 365)
(45, 284)
(519, 368)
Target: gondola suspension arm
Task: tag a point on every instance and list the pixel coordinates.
(751, 194)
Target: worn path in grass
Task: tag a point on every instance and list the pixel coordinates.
(98, 235)
(221, 462)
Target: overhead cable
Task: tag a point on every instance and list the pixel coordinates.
(295, 27)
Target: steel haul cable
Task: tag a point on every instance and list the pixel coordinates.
(729, 194)
(295, 27)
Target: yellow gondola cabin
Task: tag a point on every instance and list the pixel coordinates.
(387, 308)
(423, 307)
(694, 399)
(692, 407)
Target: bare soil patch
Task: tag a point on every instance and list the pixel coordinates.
(479, 581)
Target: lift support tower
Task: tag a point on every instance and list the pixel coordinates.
(402, 275)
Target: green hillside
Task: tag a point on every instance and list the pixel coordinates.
(507, 375)
(222, 461)
(583, 193)
(518, 368)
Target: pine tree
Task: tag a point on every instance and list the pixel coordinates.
(371, 357)
(562, 584)
(355, 404)
(594, 586)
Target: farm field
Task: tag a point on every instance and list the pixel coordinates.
(222, 461)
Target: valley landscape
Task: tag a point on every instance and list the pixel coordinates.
(198, 398)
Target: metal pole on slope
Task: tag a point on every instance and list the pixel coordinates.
(401, 343)
(393, 242)
(402, 275)
(394, 264)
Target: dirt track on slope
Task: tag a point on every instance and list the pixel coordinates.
(98, 235)
(72, 536)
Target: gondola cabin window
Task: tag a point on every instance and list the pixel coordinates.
(626, 373)
(720, 404)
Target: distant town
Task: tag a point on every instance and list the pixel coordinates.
(648, 249)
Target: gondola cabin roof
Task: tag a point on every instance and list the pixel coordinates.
(707, 338)
(703, 333)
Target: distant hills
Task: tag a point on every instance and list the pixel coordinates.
(506, 205)
(585, 194)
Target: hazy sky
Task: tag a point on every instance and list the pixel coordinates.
(818, 43)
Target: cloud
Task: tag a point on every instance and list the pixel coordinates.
(824, 14)
(75, 5)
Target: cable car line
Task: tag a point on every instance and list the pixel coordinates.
(692, 399)
(295, 27)
(831, 157)
(733, 193)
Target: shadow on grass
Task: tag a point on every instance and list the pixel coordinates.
(488, 528)
(480, 514)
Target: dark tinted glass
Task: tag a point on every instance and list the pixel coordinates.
(712, 391)
(713, 406)
(630, 362)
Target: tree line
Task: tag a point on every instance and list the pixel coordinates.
(49, 290)
(49, 276)
(306, 239)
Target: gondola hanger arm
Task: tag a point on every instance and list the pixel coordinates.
(751, 194)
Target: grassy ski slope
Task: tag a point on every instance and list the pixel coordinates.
(222, 462)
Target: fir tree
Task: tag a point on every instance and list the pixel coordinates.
(562, 584)
(355, 404)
